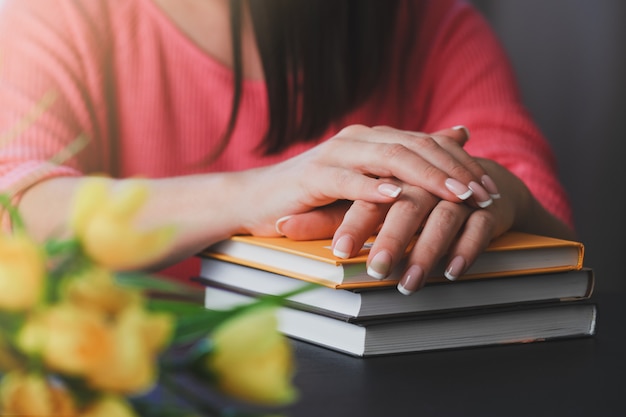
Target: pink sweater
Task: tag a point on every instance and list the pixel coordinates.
(154, 104)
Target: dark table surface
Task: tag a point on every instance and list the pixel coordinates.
(575, 377)
(570, 377)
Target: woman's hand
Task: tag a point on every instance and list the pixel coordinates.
(397, 218)
(452, 232)
(372, 165)
(456, 233)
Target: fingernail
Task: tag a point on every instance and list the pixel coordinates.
(343, 247)
(379, 265)
(482, 196)
(490, 186)
(279, 224)
(390, 190)
(461, 127)
(458, 188)
(455, 268)
(412, 280)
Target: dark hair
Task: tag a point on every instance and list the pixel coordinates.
(321, 58)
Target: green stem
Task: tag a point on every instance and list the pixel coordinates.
(59, 247)
(16, 219)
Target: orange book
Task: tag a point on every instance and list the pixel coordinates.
(513, 253)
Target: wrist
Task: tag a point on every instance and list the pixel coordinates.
(516, 204)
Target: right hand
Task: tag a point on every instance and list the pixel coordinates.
(359, 164)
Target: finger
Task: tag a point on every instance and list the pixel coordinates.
(460, 134)
(474, 239)
(484, 192)
(326, 184)
(320, 223)
(428, 146)
(449, 140)
(359, 223)
(452, 140)
(402, 221)
(439, 231)
(416, 159)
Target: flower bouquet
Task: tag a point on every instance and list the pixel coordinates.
(81, 337)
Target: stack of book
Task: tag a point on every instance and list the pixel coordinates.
(523, 288)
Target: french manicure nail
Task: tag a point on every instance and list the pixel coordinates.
(379, 265)
(455, 268)
(343, 247)
(482, 196)
(390, 190)
(458, 188)
(490, 186)
(279, 224)
(412, 280)
(461, 127)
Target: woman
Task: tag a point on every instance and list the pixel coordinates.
(309, 119)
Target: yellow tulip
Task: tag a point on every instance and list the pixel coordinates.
(109, 406)
(31, 395)
(69, 339)
(252, 361)
(116, 354)
(132, 365)
(95, 289)
(22, 272)
(103, 222)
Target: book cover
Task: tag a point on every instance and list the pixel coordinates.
(510, 254)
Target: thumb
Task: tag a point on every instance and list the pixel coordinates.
(319, 223)
(460, 134)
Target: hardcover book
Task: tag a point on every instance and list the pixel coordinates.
(360, 303)
(492, 326)
(513, 253)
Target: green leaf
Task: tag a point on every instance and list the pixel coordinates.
(177, 307)
(10, 357)
(10, 323)
(69, 248)
(159, 285)
(193, 320)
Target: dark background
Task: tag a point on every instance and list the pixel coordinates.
(570, 58)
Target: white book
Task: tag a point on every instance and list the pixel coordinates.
(493, 326)
(387, 301)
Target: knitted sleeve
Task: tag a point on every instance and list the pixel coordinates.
(50, 97)
(470, 81)
(50, 92)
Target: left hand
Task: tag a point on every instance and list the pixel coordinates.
(456, 231)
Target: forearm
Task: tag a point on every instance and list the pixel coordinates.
(203, 209)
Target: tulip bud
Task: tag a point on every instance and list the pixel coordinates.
(252, 361)
(22, 272)
(103, 222)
